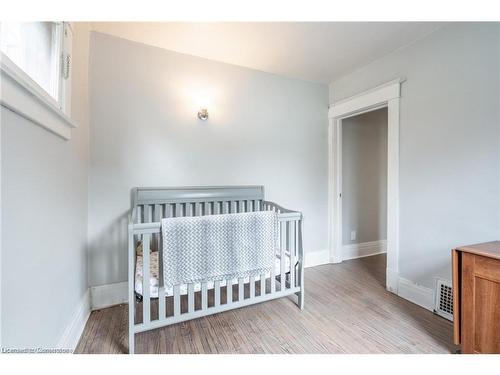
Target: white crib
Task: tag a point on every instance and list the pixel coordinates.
(152, 306)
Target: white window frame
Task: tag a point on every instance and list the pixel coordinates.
(22, 95)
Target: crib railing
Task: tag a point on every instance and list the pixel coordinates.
(183, 302)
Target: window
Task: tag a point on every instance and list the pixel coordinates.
(35, 47)
(35, 68)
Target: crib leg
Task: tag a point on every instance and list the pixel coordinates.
(131, 342)
(300, 299)
(300, 295)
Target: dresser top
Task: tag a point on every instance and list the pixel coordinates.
(486, 249)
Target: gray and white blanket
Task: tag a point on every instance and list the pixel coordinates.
(217, 247)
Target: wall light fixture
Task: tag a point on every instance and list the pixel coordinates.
(203, 114)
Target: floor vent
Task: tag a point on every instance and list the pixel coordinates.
(444, 299)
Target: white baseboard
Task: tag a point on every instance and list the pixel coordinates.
(316, 258)
(365, 249)
(415, 293)
(73, 331)
(108, 295)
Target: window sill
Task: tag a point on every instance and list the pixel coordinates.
(22, 95)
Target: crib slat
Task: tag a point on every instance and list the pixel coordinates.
(161, 303)
(262, 284)
(229, 291)
(204, 296)
(139, 214)
(282, 255)
(241, 289)
(146, 316)
(249, 206)
(190, 297)
(177, 300)
(217, 293)
(252, 286)
(273, 275)
(157, 218)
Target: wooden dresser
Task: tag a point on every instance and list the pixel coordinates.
(476, 296)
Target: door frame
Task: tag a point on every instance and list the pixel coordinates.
(383, 96)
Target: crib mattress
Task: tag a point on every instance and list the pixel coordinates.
(154, 276)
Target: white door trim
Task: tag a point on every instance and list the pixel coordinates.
(384, 96)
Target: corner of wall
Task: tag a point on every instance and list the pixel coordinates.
(71, 335)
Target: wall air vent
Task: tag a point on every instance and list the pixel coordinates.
(444, 299)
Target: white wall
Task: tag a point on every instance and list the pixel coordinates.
(449, 144)
(263, 129)
(44, 219)
(364, 177)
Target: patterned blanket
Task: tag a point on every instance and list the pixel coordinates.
(217, 247)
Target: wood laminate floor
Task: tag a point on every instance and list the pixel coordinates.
(347, 310)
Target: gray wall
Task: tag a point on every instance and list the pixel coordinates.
(364, 177)
(263, 129)
(44, 219)
(449, 148)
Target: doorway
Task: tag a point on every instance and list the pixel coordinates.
(384, 96)
(364, 184)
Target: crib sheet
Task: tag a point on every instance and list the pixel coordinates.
(154, 277)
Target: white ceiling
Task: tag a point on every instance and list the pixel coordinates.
(312, 51)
